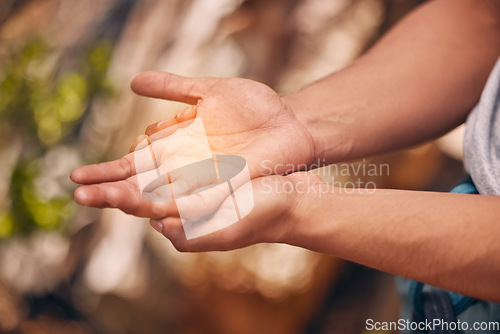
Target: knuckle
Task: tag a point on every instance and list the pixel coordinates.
(111, 198)
(158, 211)
(125, 166)
(180, 246)
(167, 81)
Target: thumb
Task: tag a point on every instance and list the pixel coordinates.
(172, 87)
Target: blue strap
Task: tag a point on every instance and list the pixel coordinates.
(460, 302)
(438, 306)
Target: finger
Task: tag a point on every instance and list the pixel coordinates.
(172, 87)
(124, 196)
(200, 204)
(182, 148)
(105, 172)
(140, 139)
(202, 189)
(170, 124)
(193, 177)
(141, 160)
(186, 116)
(160, 181)
(171, 228)
(182, 119)
(223, 240)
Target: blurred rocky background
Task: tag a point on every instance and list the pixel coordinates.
(65, 68)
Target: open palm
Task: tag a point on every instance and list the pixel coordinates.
(241, 117)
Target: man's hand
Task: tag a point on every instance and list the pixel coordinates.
(241, 117)
(273, 219)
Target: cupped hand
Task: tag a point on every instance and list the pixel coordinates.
(274, 217)
(241, 117)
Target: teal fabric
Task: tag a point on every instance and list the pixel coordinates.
(480, 311)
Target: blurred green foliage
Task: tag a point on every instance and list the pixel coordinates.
(42, 101)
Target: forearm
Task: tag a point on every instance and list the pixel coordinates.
(417, 83)
(446, 240)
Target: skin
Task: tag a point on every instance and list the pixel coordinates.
(418, 82)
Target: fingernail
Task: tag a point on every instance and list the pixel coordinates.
(170, 121)
(186, 116)
(184, 111)
(157, 225)
(74, 175)
(80, 195)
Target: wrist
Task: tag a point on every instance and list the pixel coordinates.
(329, 133)
(305, 154)
(302, 209)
